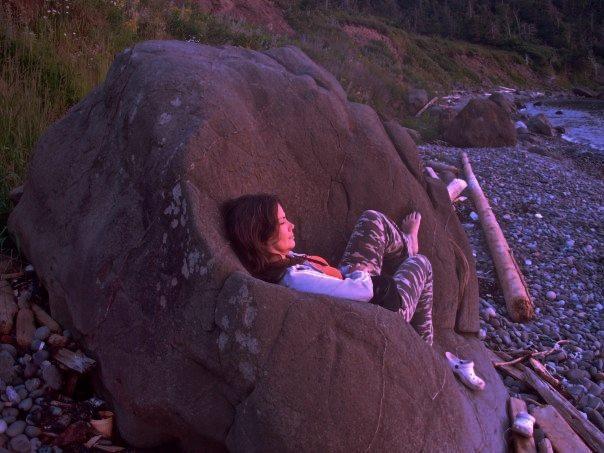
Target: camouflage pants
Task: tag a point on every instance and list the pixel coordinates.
(376, 237)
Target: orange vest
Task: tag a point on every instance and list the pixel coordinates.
(323, 266)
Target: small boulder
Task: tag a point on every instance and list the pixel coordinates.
(539, 124)
(481, 123)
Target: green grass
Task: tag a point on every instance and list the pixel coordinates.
(50, 58)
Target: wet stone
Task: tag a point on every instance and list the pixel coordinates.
(20, 444)
(16, 428)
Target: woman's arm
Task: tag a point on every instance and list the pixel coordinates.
(357, 285)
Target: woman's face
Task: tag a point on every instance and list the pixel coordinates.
(283, 241)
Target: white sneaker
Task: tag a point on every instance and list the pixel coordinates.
(523, 424)
(464, 370)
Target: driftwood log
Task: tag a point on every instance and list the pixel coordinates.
(521, 444)
(8, 308)
(518, 302)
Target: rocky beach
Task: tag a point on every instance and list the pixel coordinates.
(547, 198)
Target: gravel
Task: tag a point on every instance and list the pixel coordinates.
(559, 252)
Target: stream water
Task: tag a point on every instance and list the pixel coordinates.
(583, 120)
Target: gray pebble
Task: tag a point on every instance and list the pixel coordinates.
(32, 431)
(37, 345)
(595, 417)
(51, 376)
(37, 393)
(26, 404)
(32, 384)
(9, 348)
(22, 392)
(34, 444)
(20, 444)
(3, 426)
(54, 410)
(12, 395)
(550, 295)
(30, 370)
(16, 428)
(41, 356)
(42, 333)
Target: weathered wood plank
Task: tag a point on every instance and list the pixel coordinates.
(592, 436)
(560, 434)
(75, 361)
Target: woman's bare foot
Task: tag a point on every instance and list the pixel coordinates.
(410, 228)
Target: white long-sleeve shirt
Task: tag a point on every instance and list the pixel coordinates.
(303, 277)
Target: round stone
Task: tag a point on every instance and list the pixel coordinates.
(16, 428)
(41, 356)
(32, 384)
(20, 443)
(3, 426)
(551, 295)
(32, 431)
(42, 333)
(26, 404)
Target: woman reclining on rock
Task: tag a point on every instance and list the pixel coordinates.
(263, 239)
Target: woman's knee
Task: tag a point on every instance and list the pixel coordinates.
(375, 217)
(423, 261)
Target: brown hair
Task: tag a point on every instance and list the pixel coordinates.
(250, 222)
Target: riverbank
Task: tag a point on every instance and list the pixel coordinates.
(548, 200)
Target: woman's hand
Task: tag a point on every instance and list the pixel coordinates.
(354, 267)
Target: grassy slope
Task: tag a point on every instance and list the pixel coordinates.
(52, 55)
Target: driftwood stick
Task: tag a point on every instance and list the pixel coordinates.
(531, 354)
(518, 302)
(432, 173)
(45, 319)
(423, 109)
(11, 276)
(592, 436)
(442, 166)
(543, 373)
(455, 188)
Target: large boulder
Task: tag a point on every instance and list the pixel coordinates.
(120, 217)
(481, 123)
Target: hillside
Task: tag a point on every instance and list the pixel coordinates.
(54, 52)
